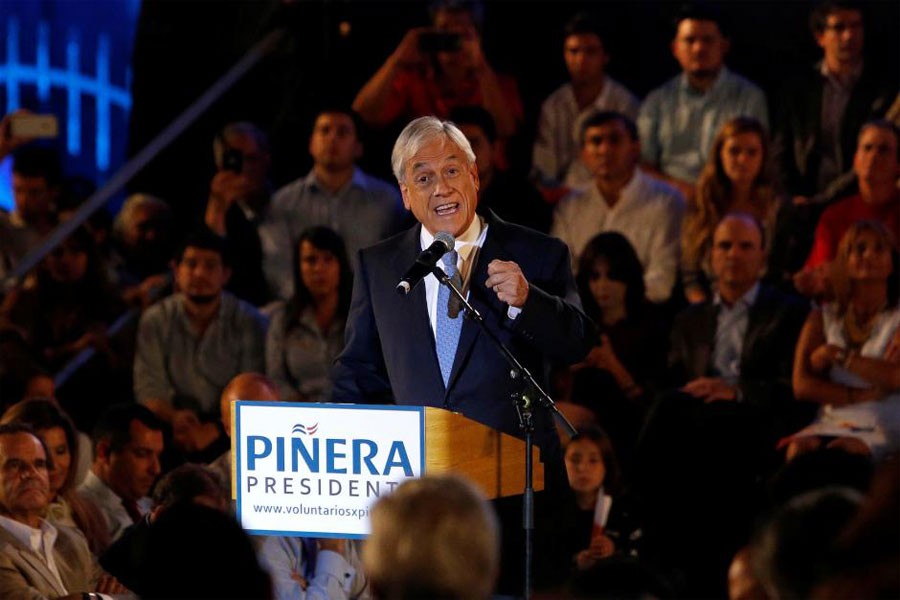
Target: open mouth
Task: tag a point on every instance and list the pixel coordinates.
(447, 209)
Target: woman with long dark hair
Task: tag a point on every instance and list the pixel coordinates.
(306, 334)
(616, 380)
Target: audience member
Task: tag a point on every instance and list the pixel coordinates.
(199, 553)
(557, 144)
(66, 310)
(790, 552)
(820, 109)
(142, 248)
(511, 197)
(361, 208)
(128, 444)
(307, 333)
(66, 505)
(714, 438)
(849, 352)
(737, 178)
(594, 522)
(742, 582)
(877, 167)
(679, 120)
(433, 537)
(38, 559)
(187, 483)
(36, 177)
(193, 342)
(437, 68)
(643, 209)
(619, 377)
(239, 195)
(243, 386)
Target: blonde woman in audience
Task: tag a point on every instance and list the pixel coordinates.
(736, 178)
(67, 506)
(848, 355)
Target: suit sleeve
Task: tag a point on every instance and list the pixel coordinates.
(359, 373)
(552, 319)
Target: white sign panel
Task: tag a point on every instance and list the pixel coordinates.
(315, 469)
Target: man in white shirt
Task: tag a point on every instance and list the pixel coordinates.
(645, 210)
(589, 89)
(38, 559)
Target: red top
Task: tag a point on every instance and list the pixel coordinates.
(838, 217)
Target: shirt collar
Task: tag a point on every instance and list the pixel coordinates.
(471, 238)
(32, 538)
(719, 81)
(358, 180)
(849, 79)
(747, 300)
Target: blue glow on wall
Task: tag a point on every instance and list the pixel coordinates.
(71, 59)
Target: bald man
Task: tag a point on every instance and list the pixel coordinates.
(243, 386)
(714, 433)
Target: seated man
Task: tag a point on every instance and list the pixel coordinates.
(513, 198)
(128, 443)
(192, 343)
(555, 157)
(877, 167)
(679, 120)
(645, 210)
(714, 436)
(37, 559)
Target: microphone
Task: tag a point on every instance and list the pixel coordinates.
(443, 243)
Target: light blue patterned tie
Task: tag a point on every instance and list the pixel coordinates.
(447, 336)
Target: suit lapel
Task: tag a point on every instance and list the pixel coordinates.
(481, 299)
(34, 566)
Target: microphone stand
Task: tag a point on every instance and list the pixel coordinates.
(523, 405)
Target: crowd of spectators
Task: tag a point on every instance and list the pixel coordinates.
(736, 247)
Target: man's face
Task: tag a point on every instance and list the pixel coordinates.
(482, 147)
(609, 152)
(33, 197)
(737, 253)
(24, 480)
(333, 144)
(255, 162)
(201, 274)
(699, 47)
(441, 188)
(875, 161)
(132, 470)
(843, 36)
(585, 58)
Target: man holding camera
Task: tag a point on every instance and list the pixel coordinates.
(239, 196)
(437, 68)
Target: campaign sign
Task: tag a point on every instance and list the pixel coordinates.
(314, 470)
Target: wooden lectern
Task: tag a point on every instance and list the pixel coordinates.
(493, 460)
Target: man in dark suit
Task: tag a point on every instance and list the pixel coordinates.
(708, 443)
(518, 279)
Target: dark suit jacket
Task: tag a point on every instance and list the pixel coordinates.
(767, 359)
(798, 123)
(390, 356)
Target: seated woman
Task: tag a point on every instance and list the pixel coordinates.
(848, 355)
(616, 380)
(307, 333)
(736, 178)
